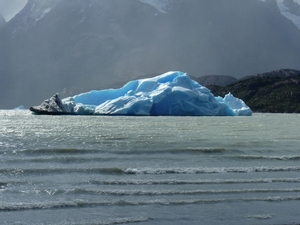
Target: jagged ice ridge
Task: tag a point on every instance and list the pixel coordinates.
(169, 94)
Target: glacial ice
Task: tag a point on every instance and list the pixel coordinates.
(169, 94)
(21, 107)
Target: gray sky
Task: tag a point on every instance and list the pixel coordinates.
(9, 8)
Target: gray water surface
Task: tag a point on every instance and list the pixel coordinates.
(149, 170)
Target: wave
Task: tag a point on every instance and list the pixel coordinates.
(16, 171)
(65, 159)
(202, 181)
(257, 157)
(261, 216)
(90, 158)
(207, 170)
(84, 204)
(157, 171)
(123, 220)
(4, 184)
(207, 149)
(51, 151)
(75, 155)
(120, 221)
(134, 151)
(76, 191)
(175, 192)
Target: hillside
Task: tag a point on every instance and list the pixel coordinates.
(275, 92)
(2, 22)
(219, 80)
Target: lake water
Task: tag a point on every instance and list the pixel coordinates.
(149, 170)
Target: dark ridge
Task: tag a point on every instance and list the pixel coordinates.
(274, 92)
(219, 80)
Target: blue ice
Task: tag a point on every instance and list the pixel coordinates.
(21, 107)
(169, 94)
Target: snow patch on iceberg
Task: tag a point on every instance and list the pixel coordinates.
(169, 94)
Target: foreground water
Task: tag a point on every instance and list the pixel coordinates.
(149, 170)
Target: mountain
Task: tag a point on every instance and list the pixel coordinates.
(291, 10)
(163, 6)
(2, 22)
(70, 46)
(292, 7)
(220, 80)
(275, 92)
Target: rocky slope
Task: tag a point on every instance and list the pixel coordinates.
(2, 22)
(291, 10)
(219, 80)
(275, 92)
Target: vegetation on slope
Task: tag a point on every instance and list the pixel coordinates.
(275, 92)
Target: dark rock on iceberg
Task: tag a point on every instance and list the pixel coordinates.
(51, 106)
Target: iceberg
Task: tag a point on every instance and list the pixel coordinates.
(21, 107)
(170, 94)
